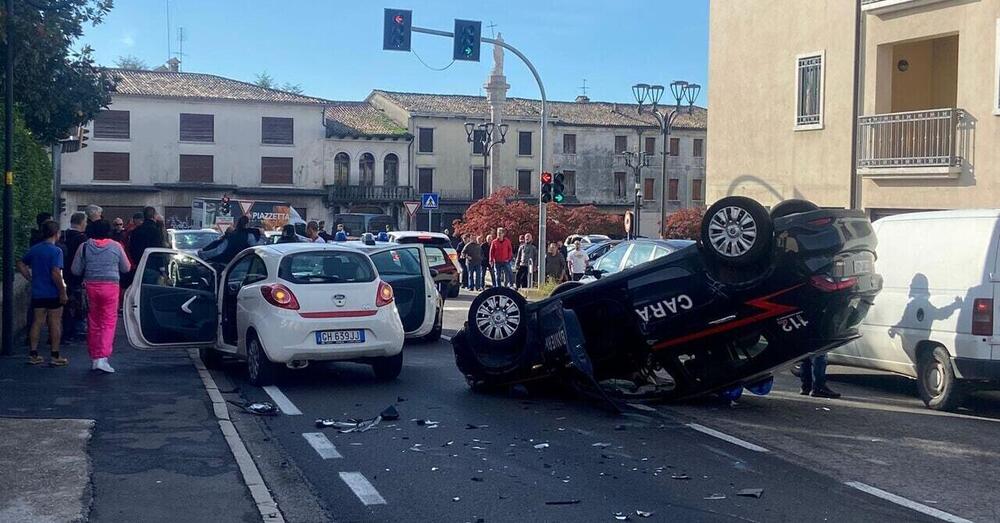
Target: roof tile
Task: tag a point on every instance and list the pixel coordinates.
(199, 86)
(360, 119)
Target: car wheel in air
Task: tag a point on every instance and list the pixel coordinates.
(210, 357)
(793, 206)
(260, 370)
(389, 367)
(565, 286)
(936, 381)
(496, 329)
(736, 231)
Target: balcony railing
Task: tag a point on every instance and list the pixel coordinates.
(888, 6)
(370, 193)
(919, 142)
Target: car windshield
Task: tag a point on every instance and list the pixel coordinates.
(326, 267)
(194, 239)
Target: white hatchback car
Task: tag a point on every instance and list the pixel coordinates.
(282, 304)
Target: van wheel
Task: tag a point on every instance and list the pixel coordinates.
(210, 357)
(736, 231)
(389, 367)
(939, 388)
(260, 370)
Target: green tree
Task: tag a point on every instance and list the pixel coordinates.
(265, 80)
(56, 87)
(32, 182)
(131, 62)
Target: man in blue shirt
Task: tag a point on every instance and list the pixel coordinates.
(42, 266)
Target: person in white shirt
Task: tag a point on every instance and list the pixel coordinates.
(312, 232)
(577, 261)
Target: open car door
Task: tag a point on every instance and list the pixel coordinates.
(404, 266)
(172, 302)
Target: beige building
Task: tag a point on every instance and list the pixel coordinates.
(784, 87)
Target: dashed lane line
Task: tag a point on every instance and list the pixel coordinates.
(322, 445)
(456, 309)
(362, 488)
(285, 404)
(726, 437)
(903, 502)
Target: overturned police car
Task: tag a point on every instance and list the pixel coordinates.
(758, 292)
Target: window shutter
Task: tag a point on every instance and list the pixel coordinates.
(111, 166)
(112, 124)
(277, 131)
(197, 168)
(197, 127)
(672, 189)
(276, 170)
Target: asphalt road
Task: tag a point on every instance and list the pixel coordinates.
(559, 458)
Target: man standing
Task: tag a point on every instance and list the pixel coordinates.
(118, 231)
(814, 378)
(472, 257)
(527, 256)
(487, 266)
(94, 213)
(146, 236)
(312, 232)
(42, 266)
(322, 232)
(501, 254)
(577, 261)
(74, 315)
(37, 236)
(461, 260)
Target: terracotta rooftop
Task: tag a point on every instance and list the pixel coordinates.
(352, 119)
(199, 86)
(590, 113)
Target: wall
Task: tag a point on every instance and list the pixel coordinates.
(355, 147)
(931, 80)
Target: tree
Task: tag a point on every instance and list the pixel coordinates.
(32, 183)
(55, 87)
(684, 224)
(131, 62)
(265, 80)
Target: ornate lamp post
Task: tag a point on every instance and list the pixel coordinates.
(650, 94)
(636, 161)
(491, 136)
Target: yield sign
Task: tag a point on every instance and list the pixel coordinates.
(411, 207)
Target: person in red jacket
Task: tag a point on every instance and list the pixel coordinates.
(501, 254)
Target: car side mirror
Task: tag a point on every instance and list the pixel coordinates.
(434, 273)
(596, 273)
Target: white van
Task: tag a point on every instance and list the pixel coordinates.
(935, 319)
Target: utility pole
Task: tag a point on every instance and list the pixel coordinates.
(7, 346)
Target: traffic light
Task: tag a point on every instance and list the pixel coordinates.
(62, 205)
(397, 30)
(467, 39)
(224, 207)
(76, 140)
(558, 187)
(81, 136)
(546, 187)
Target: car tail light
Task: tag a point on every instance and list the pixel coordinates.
(828, 284)
(819, 222)
(384, 296)
(982, 317)
(453, 257)
(279, 296)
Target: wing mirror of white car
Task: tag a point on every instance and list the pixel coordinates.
(434, 273)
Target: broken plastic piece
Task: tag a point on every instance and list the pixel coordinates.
(563, 502)
(716, 496)
(751, 492)
(263, 408)
(680, 476)
(542, 446)
(621, 516)
(643, 513)
(346, 427)
(456, 498)
(601, 445)
(390, 413)
(472, 426)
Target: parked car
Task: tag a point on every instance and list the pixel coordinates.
(756, 294)
(596, 250)
(936, 318)
(585, 239)
(285, 304)
(442, 255)
(628, 254)
(191, 241)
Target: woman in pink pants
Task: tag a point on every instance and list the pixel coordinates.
(101, 261)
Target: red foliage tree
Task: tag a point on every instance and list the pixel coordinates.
(684, 224)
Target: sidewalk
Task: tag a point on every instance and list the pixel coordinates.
(155, 449)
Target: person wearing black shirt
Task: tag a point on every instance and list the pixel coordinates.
(149, 235)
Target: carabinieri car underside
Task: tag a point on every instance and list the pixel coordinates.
(756, 294)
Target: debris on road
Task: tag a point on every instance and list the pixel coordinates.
(680, 476)
(716, 496)
(601, 445)
(426, 423)
(390, 413)
(751, 492)
(346, 427)
(621, 516)
(472, 426)
(563, 502)
(262, 408)
(643, 514)
(542, 446)
(456, 499)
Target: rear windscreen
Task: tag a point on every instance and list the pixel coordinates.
(326, 267)
(405, 262)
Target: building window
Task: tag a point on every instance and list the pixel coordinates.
(620, 185)
(621, 144)
(478, 137)
(650, 145)
(425, 140)
(675, 147)
(524, 143)
(112, 124)
(648, 189)
(197, 127)
(366, 169)
(569, 144)
(809, 91)
(277, 131)
(672, 189)
(275, 171)
(699, 148)
(524, 182)
(478, 184)
(197, 168)
(569, 183)
(390, 170)
(425, 180)
(341, 169)
(111, 167)
(696, 190)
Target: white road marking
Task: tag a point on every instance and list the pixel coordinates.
(640, 406)
(726, 437)
(459, 309)
(285, 404)
(321, 445)
(781, 395)
(364, 490)
(445, 338)
(912, 505)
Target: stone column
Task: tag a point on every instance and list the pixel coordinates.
(496, 95)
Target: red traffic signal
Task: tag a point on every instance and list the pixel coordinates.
(546, 177)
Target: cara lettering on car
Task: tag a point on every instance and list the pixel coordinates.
(660, 309)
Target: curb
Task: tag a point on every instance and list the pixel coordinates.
(251, 475)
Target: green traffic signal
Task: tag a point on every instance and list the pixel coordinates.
(558, 187)
(558, 198)
(467, 39)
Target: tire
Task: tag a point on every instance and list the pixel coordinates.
(389, 367)
(793, 206)
(453, 290)
(936, 381)
(211, 358)
(435, 333)
(565, 286)
(736, 232)
(497, 329)
(260, 370)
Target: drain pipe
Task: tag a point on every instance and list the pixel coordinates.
(856, 106)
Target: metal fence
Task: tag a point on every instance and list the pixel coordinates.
(380, 193)
(910, 139)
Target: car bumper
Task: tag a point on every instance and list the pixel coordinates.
(980, 370)
(296, 340)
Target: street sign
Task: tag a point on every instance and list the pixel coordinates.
(429, 200)
(628, 222)
(411, 208)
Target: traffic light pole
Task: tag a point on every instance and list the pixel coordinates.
(7, 342)
(543, 124)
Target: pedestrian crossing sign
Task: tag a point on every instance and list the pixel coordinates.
(429, 200)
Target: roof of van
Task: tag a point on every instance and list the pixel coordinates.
(942, 215)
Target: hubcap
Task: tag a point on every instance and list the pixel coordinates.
(732, 231)
(498, 317)
(935, 378)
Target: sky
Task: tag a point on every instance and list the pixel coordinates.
(333, 48)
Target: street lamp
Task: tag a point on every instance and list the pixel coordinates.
(683, 93)
(488, 140)
(636, 160)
